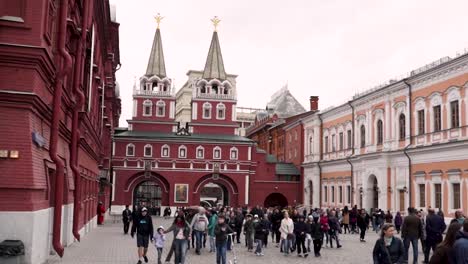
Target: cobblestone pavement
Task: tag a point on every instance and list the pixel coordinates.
(108, 244)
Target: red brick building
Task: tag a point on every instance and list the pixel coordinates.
(58, 105)
(183, 150)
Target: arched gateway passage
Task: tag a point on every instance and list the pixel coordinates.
(276, 199)
(372, 192)
(214, 189)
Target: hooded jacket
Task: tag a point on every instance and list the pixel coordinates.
(460, 249)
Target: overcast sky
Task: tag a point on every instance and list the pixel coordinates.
(328, 48)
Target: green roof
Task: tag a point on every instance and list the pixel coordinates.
(286, 169)
(174, 137)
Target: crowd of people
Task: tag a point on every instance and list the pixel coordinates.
(300, 231)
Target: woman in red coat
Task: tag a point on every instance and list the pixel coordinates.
(100, 212)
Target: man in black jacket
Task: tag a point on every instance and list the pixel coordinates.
(435, 226)
(300, 230)
(411, 231)
(238, 222)
(143, 226)
(126, 218)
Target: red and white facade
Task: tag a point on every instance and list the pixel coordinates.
(403, 144)
(58, 105)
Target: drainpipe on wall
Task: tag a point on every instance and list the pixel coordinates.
(352, 153)
(79, 102)
(320, 159)
(405, 150)
(63, 70)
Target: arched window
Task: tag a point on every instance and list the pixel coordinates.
(454, 114)
(234, 153)
(160, 108)
(363, 136)
(130, 150)
(207, 111)
(165, 151)
(182, 152)
(148, 152)
(200, 152)
(155, 85)
(147, 107)
(217, 153)
(214, 88)
(402, 126)
(379, 132)
(220, 111)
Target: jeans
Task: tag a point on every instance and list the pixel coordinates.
(199, 240)
(414, 242)
(180, 250)
(221, 253)
(325, 234)
(259, 243)
(159, 254)
(171, 251)
(334, 236)
(212, 244)
(249, 237)
(286, 245)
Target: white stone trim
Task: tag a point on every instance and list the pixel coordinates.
(165, 146)
(126, 150)
(215, 149)
(206, 106)
(203, 152)
(151, 150)
(147, 103)
(179, 152)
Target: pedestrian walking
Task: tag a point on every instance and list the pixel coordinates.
(345, 221)
(182, 234)
(159, 239)
(435, 227)
(199, 225)
(317, 235)
(221, 232)
(101, 210)
(444, 250)
(325, 227)
(126, 218)
(411, 231)
(211, 227)
(388, 249)
(300, 231)
(363, 222)
(259, 236)
(143, 227)
(334, 229)
(398, 221)
(249, 232)
(287, 233)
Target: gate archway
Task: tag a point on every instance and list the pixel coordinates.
(275, 199)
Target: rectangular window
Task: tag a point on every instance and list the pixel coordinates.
(326, 144)
(148, 152)
(160, 110)
(165, 152)
(325, 193)
(340, 194)
(333, 143)
(421, 123)
(438, 195)
(200, 153)
(147, 110)
(422, 195)
(350, 139)
(217, 154)
(437, 119)
(220, 113)
(454, 114)
(182, 153)
(333, 194)
(456, 196)
(233, 154)
(341, 141)
(348, 190)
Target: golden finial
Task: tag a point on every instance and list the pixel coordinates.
(215, 21)
(158, 19)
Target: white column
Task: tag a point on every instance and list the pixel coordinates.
(113, 185)
(249, 154)
(246, 189)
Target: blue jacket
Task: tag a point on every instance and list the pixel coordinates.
(435, 226)
(460, 249)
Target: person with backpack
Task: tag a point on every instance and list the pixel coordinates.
(199, 225)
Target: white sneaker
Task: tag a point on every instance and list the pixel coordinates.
(261, 254)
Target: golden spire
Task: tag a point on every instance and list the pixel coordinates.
(215, 21)
(158, 19)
